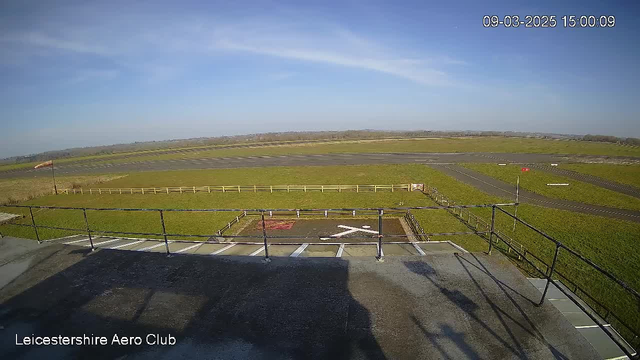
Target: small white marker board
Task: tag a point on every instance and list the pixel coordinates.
(557, 184)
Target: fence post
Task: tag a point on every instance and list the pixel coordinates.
(81, 191)
(255, 188)
(357, 188)
(33, 224)
(164, 233)
(322, 188)
(209, 189)
(238, 188)
(549, 279)
(194, 189)
(379, 257)
(271, 188)
(90, 191)
(167, 190)
(264, 236)
(86, 223)
(391, 187)
(493, 221)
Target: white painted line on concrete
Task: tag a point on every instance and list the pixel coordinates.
(620, 357)
(153, 246)
(103, 242)
(299, 250)
(187, 248)
(340, 250)
(127, 244)
(76, 241)
(458, 247)
(344, 233)
(258, 251)
(223, 249)
(62, 238)
(591, 326)
(419, 249)
(357, 229)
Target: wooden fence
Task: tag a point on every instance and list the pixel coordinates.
(241, 188)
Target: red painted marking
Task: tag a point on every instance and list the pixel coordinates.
(276, 224)
(525, 169)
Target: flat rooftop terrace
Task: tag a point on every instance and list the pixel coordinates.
(441, 306)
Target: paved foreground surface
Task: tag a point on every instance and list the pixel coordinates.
(431, 307)
(502, 189)
(303, 160)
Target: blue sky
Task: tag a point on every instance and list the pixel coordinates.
(82, 73)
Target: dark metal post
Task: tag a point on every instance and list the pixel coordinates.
(549, 279)
(53, 173)
(86, 223)
(164, 233)
(493, 222)
(264, 236)
(379, 257)
(33, 224)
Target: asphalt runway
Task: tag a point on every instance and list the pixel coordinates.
(504, 190)
(297, 160)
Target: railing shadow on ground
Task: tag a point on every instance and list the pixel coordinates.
(246, 310)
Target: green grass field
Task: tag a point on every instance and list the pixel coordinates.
(610, 243)
(536, 180)
(479, 144)
(624, 174)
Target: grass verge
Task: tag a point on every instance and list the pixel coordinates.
(624, 174)
(537, 180)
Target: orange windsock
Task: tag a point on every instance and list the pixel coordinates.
(44, 164)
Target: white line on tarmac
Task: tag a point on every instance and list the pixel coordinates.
(187, 248)
(340, 250)
(420, 251)
(62, 238)
(591, 326)
(76, 241)
(223, 249)
(153, 246)
(357, 229)
(103, 242)
(299, 250)
(127, 244)
(458, 247)
(258, 251)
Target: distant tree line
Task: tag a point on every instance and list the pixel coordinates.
(612, 139)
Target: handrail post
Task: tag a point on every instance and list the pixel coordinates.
(164, 233)
(549, 279)
(86, 223)
(380, 253)
(493, 222)
(264, 236)
(33, 224)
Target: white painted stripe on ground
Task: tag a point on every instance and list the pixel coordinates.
(299, 250)
(591, 326)
(223, 249)
(103, 242)
(127, 244)
(340, 250)
(357, 229)
(457, 247)
(76, 241)
(62, 238)
(620, 357)
(419, 249)
(344, 233)
(187, 248)
(258, 251)
(153, 246)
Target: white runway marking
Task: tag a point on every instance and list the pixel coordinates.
(127, 244)
(258, 251)
(187, 248)
(299, 250)
(153, 246)
(458, 247)
(103, 242)
(591, 326)
(419, 249)
(76, 241)
(223, 249)
(340, 250)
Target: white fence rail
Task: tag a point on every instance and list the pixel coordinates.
(241, 188)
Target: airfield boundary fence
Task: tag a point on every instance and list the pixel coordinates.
(239, 188)
(515, 250)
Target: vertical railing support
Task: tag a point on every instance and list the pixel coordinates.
(264, 237)
(33, 224)
(549, 278)
(493, 223)
(86, 223)
(164, 233)
(380, 253)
